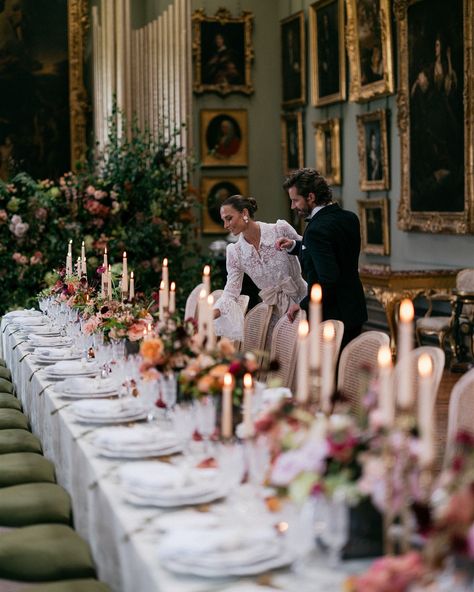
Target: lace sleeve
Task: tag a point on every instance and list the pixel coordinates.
(283, 229)
(231, 322)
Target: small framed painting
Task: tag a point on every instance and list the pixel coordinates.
(215, 190)
(373, 151)
(327, 137)
(293, 60)
(224, 137)
(292, 141)
(374, 226)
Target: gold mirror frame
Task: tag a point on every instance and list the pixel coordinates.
(357, 91)
(366, 246)
(222, 16)
(333, 126)
(436, 221)
(78, 104)
(364, 182)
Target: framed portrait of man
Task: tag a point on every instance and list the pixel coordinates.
(292, 144)
(293, 60)
(369, 47)
(42, 100)
(222, 52)
(327, 139)
(372, 148)
(374, 226)
(224, 137)
(435, 116)
(328, 67)
(214, 191)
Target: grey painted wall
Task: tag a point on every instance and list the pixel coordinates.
(265, 170)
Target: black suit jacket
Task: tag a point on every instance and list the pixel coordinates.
(329, 255)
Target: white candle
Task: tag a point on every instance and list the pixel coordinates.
(315, 321)
(83, 259)
(226, 419)
(202, 305)
(386, 403)
(131, 293)
(247, 419)
(162, 301)
(172, 306)
(327, 369)
(165, 274)
(211, 336)
(69, 259)
(109, 282)
(106, 263)
(124, 274)
(425, 410)
(79, 266)
(302, 369)
(405, 345)
(206, 278)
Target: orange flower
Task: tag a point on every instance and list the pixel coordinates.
(226, 347)
(219, 371)
(152, 350)
(205, 383)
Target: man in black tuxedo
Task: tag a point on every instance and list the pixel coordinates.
(329, 251)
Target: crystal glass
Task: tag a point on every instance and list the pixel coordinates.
(337, 531)
(206, 420)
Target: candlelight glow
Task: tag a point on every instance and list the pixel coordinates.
(316, 293)
(425, 365)
(165, 262)
(248, 381)
(384, 357)
(228, 379)
(162, 285)
(303, 329)
(105, 251)
(124, 254)
(407, 311)
(131, 275)
(210, 299)
(328, 332)
(206, 270)
(173, 287)
(202, 294)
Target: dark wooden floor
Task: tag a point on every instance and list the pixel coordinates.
(442, 405)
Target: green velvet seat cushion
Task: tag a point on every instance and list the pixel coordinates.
(69, 586)
(44, 553)
(5, 373)
(18, 441)
(25, 467)
(3, 363)
(12, 418)
(9, 401)
(34, 503)
(5, 386)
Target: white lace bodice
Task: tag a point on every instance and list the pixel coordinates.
(267, 267)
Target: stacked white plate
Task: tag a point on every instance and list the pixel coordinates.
(51, 341)
(108, 411)
(31, 321)
(138, 441)
(87, 388)
(23, 313)
(166, 486)
(43, 330)
(224, 551)
(53, 355)
(66, 368)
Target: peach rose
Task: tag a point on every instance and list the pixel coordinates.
(152, 350)
(219, 371)
(205, 383)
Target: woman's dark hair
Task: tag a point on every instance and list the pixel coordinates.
(309, 181)
(240, 203)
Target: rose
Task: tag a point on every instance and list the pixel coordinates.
(36, 258)
(20, 259)
(152, 350)
(3, 216)
(91, 325)
(21, 229)
(16, 219)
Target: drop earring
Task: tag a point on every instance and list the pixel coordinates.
(246, 220)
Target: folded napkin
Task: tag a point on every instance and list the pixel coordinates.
(73, 367)
(160, 477)
(136, 436)
(23, 313)
(82, 385)
(57, 352)
(108, 409)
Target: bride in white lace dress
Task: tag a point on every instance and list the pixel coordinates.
(274, 272)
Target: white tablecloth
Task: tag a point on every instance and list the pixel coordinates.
(122, 539)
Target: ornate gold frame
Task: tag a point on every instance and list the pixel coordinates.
(364, 183)
(240, 158)
(374, 248)
(78, 103)
(222, 16)
(379, 88)
(301, 100)
(288, 116)
(435, 222)
(316, 100)
(333, 126)
(208, 224)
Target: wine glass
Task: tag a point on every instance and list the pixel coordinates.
(206, 420)
(336, 534)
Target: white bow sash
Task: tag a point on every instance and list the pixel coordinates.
(281, 295)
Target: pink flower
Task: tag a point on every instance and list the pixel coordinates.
(135, 331)
(100, 194)
(20, 259)
(16, 219)
(36, 258)
(91, 325)
(41, 214)
(3, 216)
(289, 465)
(90, 190)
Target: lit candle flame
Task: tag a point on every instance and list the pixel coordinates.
(248, 381)
(162, 285)
(384, 357)
(165, 262)
(328, 332)
(316, 293)
(202, 294)
(228, 379)
(303, 328)
(206, 270)
(173, 287)
(407, 311)
(425, 365)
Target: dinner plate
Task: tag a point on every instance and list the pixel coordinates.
(88, 387)
(173, 501)
(51, 341)
(138, 453)
(72, 368)
(23, 313)
(108, 412)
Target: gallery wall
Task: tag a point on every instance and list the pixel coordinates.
(265, 170)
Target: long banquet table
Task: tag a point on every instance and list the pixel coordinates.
(121, 536)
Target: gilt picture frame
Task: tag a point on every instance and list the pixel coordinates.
(328, 63)
(327, 139)
(214, 190)
(224, 137)
(292, 141)
(222, 52)
(372, 148)
(435, 115)
(369, 49)
(293, 60)
(374, 226)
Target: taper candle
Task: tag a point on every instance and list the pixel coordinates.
(386, 402)
(172, 306)
(315, 322)
(165, 273)
(425, 410)
(226, 419)
(124, 274)
(69, 258)
(206, 278)
(83, 259)
(161, 309)
(109, 282)
(211, 336)
(131, 292)
(302, 369)
(327, 366)
(247, 411)
(405, 345)
(202, 318)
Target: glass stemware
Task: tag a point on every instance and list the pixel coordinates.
(337, 530)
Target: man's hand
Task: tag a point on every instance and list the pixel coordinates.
(216, 313)
(283, 243)
(292, 312)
